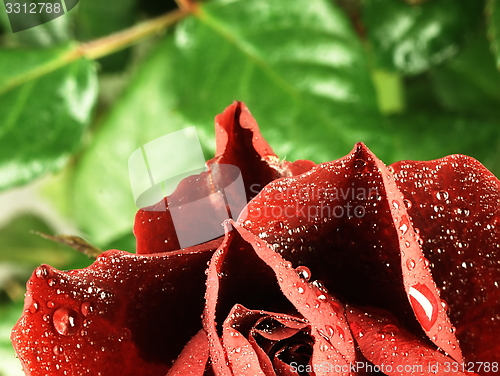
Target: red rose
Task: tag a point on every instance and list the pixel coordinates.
(345, 267)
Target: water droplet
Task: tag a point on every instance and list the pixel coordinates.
(86, 308)
(391, 169)
(340, 331)
(407, 203)
(51, 282)
(300, 290)
(303, 272)
(42, 272)
(66, 321)
(410, 264)
(359, 164)
(424, 304)
(105, 295)
(124, 335)
(34, 307)
(407, 244)
(50, 304)
(403, 228)
(390, 329)
(357, 330)
(442, 195)
(395, 204)
(329, 331)
(445, 306)
(57, 349)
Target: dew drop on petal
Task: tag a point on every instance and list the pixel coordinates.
(407, 203)
(42, 272)
(66, 321)
(86, 308)
(303, 272)
(442, 195)
(34, 306)
(124, 335)
(410, 264)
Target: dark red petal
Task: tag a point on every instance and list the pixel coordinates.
(325, 314)
(246, 322)
(394, 350)
(455, 203)
(193, 358)
(326, 358)
(237, 276)
(217, 353)
(242, 357)
(239, 143)
(123, 315)
(369, 255)
(419, 285)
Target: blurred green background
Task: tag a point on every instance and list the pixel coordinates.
(411, 79)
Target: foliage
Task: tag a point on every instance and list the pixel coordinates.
(411, 81)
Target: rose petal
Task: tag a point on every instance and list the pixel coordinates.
(239, 143)
(419, 284)
(394, 350)
(125, 314)
(246, 322)
(325, 314)
(362, 255)
(193, 358)
(455, 202)
(236, 275)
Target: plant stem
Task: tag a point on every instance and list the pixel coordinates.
(121, 40)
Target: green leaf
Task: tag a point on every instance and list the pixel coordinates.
(298, 66)
(97, 18)
(429, 135)
(9, 314)
(45, 107)
(410, 39)
(470, 83)
(493, 14)
(103, 202)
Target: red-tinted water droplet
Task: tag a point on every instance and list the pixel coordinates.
(57, 350)
(51, 282)
(124, 335)
(424, 304)
(66, 321)
(51, 304)
(407, 203)
(359, 164)
(410, 264)
(379, 335)
(445, 306)
(442, 195)
(87, 308)
(395, 205)
(329, 331)
(391, 169)
(390, 329)
(340, 331)
(404, 225)
(42, 272)
(357, 330)
(34, 307)
(303, 272)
